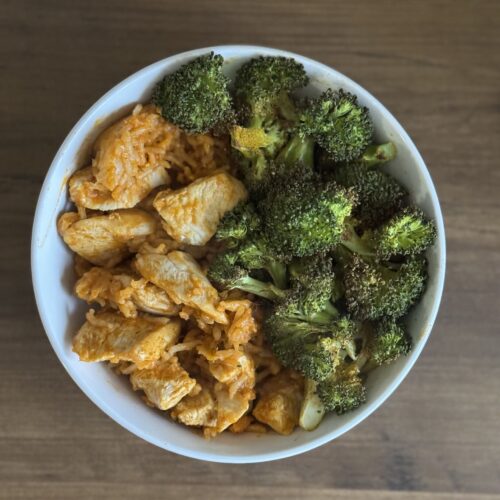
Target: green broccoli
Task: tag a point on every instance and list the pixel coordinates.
(227, 275)
(387, 341)
(344, 390)
(263, 85)
(377, 154)
(255, 253)
(338, 290)
(300, 345)
(262, 88)
(307, 305)
(409, 232)
(298, 151)
(253, 150)
(373, 155)
(374, 290)
(196, 96)
(305, 330)
(305, 216)
(333, 121)
(312, 349)
(237, 224)
(315, 278)
(379, 195)
(360, 245)
(337, 123)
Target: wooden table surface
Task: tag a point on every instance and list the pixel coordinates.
(436, 65)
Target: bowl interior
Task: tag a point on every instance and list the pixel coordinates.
(62, 314)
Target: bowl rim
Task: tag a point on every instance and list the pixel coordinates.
(368, 408)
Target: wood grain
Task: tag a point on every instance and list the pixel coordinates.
(436, 65)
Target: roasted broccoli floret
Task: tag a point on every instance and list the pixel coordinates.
(237, 224)
(337, 123)
(315, 278)
(361, 245)
(298, 150)
(227, 275)
(305, 216)
(254, 149)
(307, 305)
(196, 96)
(387, 342)
(256, 253)
(379, 195)
(374, 290)
(407, 233)
(262, 90)
(306, 331)
(344, 390)
(314, 350)
(263, 85)
(301, 345)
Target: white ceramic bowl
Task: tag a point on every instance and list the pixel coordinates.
(62, 314)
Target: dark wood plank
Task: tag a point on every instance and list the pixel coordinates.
(436, 65)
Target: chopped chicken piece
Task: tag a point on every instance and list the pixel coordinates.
(229, 409)
(198, 410)
(235, 370)
(129, 162)
(151, 298)
(165, 384)
(104, 239)
(191, 214)
(86, 192)
(236, 375)
(181, 277)
(279, 404)
(108, 336)
(122, 290)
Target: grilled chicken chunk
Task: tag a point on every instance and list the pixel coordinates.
(198, 410)
(165, 384)
(280, 401)
(129, 162)
(108, 336)
(104, 240)
(181, 277)
(191, 214)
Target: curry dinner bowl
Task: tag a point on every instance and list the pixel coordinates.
(62, 313)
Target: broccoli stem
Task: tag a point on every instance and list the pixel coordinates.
(265, 290)
(298, 150)
(377, 154)
(362, 361)
(325, 316)
(286, 107)
(356, 244)
(277, 270)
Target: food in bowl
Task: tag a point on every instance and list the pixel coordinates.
(251, 260)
